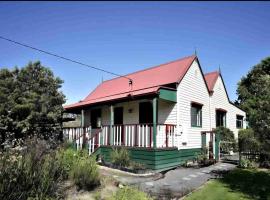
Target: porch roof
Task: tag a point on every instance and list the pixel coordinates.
(133, 93)
(144, 82)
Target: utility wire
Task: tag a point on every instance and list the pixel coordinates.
(63, 58)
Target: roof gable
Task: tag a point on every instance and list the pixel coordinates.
(211, 79)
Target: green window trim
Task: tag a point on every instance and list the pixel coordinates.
(239, 121)
(196, 115)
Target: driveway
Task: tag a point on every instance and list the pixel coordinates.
(174, 183)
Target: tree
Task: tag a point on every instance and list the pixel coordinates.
(30, 103)
(254, 97)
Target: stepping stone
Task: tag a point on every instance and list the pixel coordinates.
(149, 183)
(186, 178)
(199, 173)
(205, 171)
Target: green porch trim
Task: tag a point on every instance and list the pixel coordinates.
(155, 109)
(168, 95)
(82, 118)
(203, 140)
(155, 159)
(111, 124)
(217, 142)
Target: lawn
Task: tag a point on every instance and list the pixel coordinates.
(239, 184)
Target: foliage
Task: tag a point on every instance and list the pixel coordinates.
(30, 103)
(203, 158)
(34, 173)
(246, 163)
(254, 97)
(85, 172)
(129, 193)
(239, 184)
(228, 142)
(120, 157)
(247, 142)
(137, 166)
(67, 158)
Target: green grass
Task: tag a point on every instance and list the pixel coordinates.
(239, 184)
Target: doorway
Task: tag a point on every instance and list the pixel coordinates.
(145, 113)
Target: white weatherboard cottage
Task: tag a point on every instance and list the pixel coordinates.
(164, 109)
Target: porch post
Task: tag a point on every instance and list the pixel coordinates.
(155, 105)
(111, 125)
(82, 129)
(82, 118)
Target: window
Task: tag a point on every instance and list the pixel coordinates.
(239, 121)
(145, 113)
(220, 118)
(96, 118)
(196, 115)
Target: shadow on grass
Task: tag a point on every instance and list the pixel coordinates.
(254, 183)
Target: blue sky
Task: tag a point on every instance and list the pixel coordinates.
(128, 36)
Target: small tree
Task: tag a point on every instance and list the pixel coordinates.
(254, 97)
(30, 103)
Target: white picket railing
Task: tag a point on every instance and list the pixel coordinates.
(130, 135)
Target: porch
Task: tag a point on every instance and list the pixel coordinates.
(125, 135)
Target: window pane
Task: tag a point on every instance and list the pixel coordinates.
(239, 121)
(196, 116)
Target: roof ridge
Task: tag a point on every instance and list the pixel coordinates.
(160, 65)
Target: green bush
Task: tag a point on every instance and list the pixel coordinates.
(85, 172)
(228, 142)
(245, 163)
(120, 157)
(247, 141)
(67, 159)
(129, 193)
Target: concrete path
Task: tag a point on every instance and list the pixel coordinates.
(181, 181)
(177, 182)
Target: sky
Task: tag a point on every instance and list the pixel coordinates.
(124, 37)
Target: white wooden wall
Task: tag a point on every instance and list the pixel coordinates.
(191, 88)
(219, 100)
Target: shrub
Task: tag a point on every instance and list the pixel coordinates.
(245, 163)
(137, 166)
(130, 193)
(203, 158)
(247, 141)
(34, 173)
(85, 173)
(120, 157)
(228, 142)
(67, 159)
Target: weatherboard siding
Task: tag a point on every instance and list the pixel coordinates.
(219, 100)
(192, 88)
(155, 159)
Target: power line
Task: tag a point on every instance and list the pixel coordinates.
(63, 58)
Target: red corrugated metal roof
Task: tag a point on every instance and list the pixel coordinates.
(144, 82)
(211, 79)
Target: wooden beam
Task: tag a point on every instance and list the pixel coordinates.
(111, 124)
